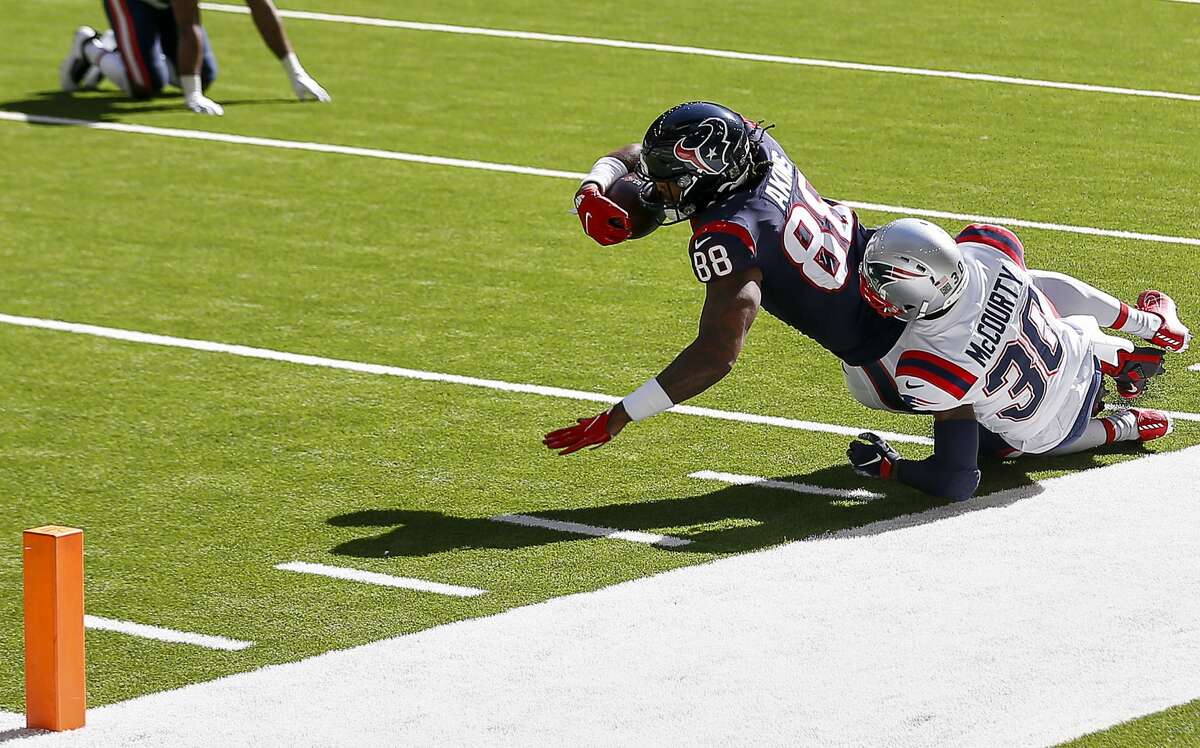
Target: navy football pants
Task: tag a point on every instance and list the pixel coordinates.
(147, 39)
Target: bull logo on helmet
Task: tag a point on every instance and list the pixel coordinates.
(707, 147)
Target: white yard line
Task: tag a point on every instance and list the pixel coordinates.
(383, 580)
(1177, 415)
(959, 630)
(157, 633)
(427, 376)
(188, 134)
(705, 52)
(754, 480)
(633, 536)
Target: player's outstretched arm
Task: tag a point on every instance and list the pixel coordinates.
(191, 51)
(730, 306)
(602, 219)
(953, 470)
(270, 28)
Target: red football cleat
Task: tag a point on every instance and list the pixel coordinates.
(1152, 424)
(1171, 334)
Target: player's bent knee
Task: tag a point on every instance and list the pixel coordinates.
(961, 485)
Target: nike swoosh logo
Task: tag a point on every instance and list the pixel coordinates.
(911, 386)
(700, 243)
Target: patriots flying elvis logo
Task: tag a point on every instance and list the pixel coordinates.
(706, 148)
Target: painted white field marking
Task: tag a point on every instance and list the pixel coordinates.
(539, 172)
(754, 480)
(427, 376)
(158, 633)
(1195, 367)
(705, 52)
(633, 536)
(1177, 415)
(383, 580)
(911, 636)
(295, 145)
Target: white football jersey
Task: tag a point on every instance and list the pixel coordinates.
(1001, 348)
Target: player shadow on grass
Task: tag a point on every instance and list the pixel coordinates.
(18, 733)
(109, 106)
(731, 519)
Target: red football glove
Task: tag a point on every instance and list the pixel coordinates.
(602, 219)
(590, 432)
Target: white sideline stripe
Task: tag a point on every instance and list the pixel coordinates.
(705, 52)
(633, 536)
(755, 480)
(1177, 415)
(383, 580)
(296, 145)
(158, 633)
(344, 150)
(1194, 367)
(427, 376)
(1006, 221)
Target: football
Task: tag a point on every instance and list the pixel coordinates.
(643, 218)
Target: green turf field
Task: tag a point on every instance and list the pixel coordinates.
(194, 473)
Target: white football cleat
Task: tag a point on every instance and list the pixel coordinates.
(1171, 334)
(73, 68)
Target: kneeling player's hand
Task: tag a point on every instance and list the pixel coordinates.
(201, 104)
(873, 457)
(307, 88)
(602, 219)
(588, 432)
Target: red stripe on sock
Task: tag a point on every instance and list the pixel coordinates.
(1122, 317)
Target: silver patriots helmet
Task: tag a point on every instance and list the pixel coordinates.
(912, 269)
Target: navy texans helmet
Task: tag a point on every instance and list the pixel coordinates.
(705, 149)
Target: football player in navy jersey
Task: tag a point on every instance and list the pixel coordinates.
(155, 42)
(762, 237)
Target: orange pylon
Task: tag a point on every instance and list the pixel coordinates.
(55, 686)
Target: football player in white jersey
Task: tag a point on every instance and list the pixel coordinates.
(986, 352)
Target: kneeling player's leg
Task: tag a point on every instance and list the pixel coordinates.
(208, 59)
(1072, 296)
(136, 69)
(1133, 425)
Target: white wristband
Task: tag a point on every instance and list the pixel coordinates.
(606, 172)
(190, 85)
(647, 400)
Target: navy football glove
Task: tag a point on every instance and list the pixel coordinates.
(875, 458)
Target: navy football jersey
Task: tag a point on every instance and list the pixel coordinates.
(808, 249)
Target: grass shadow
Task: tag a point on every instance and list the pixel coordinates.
(730, 519)
(110, 106)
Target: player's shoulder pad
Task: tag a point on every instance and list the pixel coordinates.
(931, 382)
(730, 233)
(997, 237)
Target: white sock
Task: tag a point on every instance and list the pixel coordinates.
(1119, 427)
(109, 62)
(1072, 296)
(113, 67)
